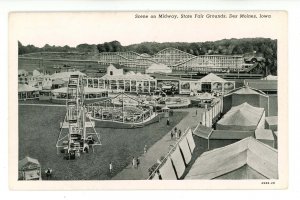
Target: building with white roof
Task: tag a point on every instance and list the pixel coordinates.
(27, 92)
(117, 81)
(90, 93)
(247, 94)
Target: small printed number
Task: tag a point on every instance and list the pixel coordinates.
(267, 183)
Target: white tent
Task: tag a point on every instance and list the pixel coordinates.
(229, 162)
(242, 117)
(265, 136)
(212, 78)
(65, 75)
(36, 73)
(46, 85)
(270, 77)
(158, 68)
(26, 88)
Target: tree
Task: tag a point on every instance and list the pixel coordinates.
(21, 49)
(108, 47)
(101, 48)
(237, 50)
(116, 46)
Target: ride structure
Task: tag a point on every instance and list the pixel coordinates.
(123, 111)
(77, 131)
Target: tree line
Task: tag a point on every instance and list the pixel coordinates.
(260, 47)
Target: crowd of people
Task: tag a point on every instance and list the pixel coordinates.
(175, 133)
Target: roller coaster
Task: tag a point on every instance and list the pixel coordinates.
(77, 131)
(174, 58)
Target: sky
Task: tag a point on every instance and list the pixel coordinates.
(98, 27)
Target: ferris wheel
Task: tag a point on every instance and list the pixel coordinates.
(77, 131)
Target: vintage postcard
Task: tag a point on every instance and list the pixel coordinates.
(148, 100)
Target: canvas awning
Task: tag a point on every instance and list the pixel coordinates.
(203, 131)
(178, 162)
(167, 171)
(185, 149)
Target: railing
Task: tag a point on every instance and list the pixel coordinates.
(168, 154)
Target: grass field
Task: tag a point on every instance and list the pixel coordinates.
(39, 129)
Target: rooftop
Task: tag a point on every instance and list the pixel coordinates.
(242, 115)
(212, 78)
(246, 90)
(265, 85)
(26, 160)
(230, 134)
(203, 131)
(26, 88)
(272, 120)
(249, 151)
(65, 75)
(264, 134)
(128, 76)
(86, 90)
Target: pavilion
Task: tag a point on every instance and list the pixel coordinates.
(27, 92)
(29, 169)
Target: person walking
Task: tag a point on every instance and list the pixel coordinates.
(145, 149)
(168, 122)
(137, 162)
(196, 112)
(176, 135)
(133, 162)
(48, 173)
(110, 167)
(179, 133)
(172, 134)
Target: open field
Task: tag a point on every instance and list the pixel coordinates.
(39, 129)
(90, 67)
